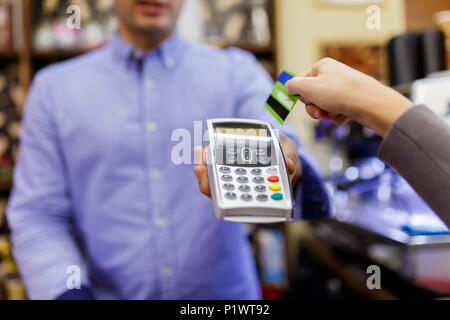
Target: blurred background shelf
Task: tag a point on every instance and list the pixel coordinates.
(5, 186)
(58, 54)
(404, 89)
(43, 36)
(255, 49)
(9, 54)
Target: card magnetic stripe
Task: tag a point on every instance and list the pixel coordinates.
(278, 108)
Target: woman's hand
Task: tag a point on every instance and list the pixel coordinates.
(333, 91)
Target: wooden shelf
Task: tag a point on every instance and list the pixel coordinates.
(51, 54)
(9, 54)
(256, 49)
(5, 186)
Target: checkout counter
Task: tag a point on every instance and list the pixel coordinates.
(377, 220)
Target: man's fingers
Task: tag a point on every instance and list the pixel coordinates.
(290, 166)
(199, 155)
(203, 182)
(201, 171)
(295, 169)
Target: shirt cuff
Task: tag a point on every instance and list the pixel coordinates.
(390, 146)
(84, 293)
(415, 147)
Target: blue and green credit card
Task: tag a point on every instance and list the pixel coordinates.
(280, 103)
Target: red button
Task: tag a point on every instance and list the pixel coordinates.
(274, 179)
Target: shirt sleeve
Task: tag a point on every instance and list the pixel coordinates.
(418, 147)
(40, 210)
(252, 85)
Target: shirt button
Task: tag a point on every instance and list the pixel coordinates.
(155, 173)
(165, 271)
(138, 55)
(152, 126)
(161, 222)
(149, 83)
(170, 62)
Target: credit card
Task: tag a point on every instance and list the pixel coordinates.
(280, 103)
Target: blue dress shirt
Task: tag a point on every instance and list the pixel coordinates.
(95, 186)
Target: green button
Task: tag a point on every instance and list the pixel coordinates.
(277, 196)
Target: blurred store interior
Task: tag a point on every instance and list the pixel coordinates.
(377, 218)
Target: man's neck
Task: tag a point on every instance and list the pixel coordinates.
(145, 42)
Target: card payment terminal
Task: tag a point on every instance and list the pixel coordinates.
(247, 172)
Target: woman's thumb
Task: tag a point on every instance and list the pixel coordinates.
(303, 86)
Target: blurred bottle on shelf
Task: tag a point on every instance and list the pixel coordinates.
(237, 21)
(12, 287)
(6, 26)
(442, 19)
(11, 103)
(433, 51)
(272, 263)
(259, 32)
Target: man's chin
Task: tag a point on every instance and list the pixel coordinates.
(153, 28)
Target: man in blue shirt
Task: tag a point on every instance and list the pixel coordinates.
(99, 209)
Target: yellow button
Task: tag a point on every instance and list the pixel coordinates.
(275, 187)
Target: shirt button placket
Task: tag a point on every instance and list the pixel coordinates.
(149, 83)
(161, 224)
(155, 176)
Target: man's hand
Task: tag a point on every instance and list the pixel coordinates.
(289, 147)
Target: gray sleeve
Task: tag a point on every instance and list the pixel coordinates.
(418, 147)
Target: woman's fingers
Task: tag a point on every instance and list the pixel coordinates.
(341, 119)
(304, 86)
(315, 112)
(319, 114)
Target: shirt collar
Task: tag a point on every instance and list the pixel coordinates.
(168, 51)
